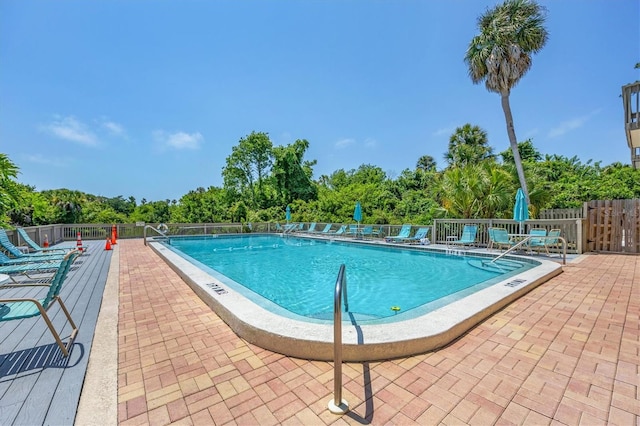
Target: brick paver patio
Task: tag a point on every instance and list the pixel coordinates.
(566, 353)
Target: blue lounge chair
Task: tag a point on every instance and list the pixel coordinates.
(421, 234)
(7, 261)
(16, 253)
(402, 235)
(21, 308)
(35, 247)
(552, 240)
(339, 231)
(499, 238)
(312, 228)
(352, 231)
(325, 230)
(468, 236)
(538, 244)
(17, 268)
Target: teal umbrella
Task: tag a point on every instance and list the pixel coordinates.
(288, 214)
(357, 213)
(520, 210)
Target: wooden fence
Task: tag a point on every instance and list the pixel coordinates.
(613, 226)
(576, 213)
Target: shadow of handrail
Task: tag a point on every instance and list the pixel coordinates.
(366, 378)
(34, 360)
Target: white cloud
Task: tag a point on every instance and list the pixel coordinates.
(179, 140)
(113, 128)
(343, 143)
(47, 161)
(569, 125)
(69, 128)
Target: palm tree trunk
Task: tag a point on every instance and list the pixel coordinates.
(506, 107)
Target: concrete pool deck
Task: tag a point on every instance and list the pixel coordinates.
(568, 352)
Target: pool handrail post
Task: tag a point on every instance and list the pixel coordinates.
(338, 405)
(144, 233)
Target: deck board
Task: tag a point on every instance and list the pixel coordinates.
(37, 384)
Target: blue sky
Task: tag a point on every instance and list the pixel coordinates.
(146, 99)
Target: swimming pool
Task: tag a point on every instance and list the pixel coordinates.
(413, 331)
(295, 277)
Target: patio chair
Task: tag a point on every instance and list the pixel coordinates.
(24, 307)
(537, 244)
(352, 231)
(326, 230)
(339, 231)
(312, 228)
(421, 234)
(16, 253)
(403, 234)
(551, 241)
(35, 247)
(17, 268)
(367, 231)
(468, 237)
(499, 237)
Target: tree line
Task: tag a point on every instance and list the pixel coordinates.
(260, 180)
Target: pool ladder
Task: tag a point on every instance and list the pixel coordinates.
(338, 405)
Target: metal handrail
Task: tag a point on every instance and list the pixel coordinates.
(564, 246)
(338, 405)
(144, 233)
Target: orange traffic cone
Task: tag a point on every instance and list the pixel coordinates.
(113, 238)
(45, 244)
(79, 243)
(108, 245)
(114, 231)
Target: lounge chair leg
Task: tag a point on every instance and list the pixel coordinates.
(64, 348)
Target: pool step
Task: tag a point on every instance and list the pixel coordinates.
(501, 266)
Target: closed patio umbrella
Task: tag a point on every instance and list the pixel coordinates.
(357, 213)
(520, 210)
(288, 214)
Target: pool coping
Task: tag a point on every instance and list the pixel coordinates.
(365, 342)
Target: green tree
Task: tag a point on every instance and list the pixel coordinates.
(426, 163)
(248, 166)
(68, 204)
(527, 153)
(500, 55)
(468, 145)
(32, 208)
(9, 193)
(292, 175)
(151, 212)
(481, 190)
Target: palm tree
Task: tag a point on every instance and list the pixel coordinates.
(426, 163)
(500, 56)
(468, 145)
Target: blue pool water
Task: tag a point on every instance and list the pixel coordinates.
(297, 275)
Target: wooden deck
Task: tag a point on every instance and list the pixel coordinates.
(37, 384)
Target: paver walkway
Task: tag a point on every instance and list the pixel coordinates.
(566, 353)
